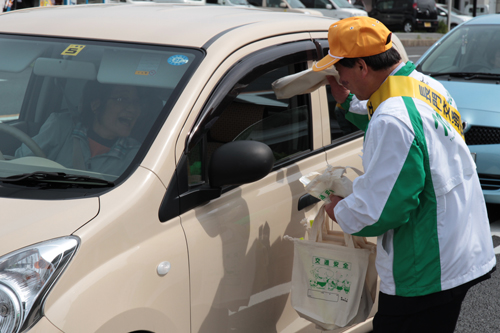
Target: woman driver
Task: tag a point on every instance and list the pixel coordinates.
(100, 139)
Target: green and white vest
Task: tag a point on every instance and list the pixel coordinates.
(420, 193)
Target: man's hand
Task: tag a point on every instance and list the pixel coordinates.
(329, 207)
(339, 92)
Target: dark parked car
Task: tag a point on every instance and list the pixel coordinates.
(410, 15)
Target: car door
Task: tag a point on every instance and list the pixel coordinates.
(240, 263)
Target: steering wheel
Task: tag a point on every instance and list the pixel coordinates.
(475, 67)
(24, 138)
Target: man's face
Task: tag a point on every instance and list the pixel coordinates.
(352, 79)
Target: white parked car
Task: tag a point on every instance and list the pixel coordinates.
(292, 6)
(338, 9)
(456, 16)
(480, 9)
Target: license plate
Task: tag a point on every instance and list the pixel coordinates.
(427, 24)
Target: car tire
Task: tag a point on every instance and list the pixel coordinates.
(408, 26)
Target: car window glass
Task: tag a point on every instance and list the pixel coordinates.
(12, 90)
(273, 3)
(256, 114)
(339, 125)
(343, 4)
(82, 107)
(383, 5)
(296, 4)
(468, 49)
(401, 4)
(340, 128)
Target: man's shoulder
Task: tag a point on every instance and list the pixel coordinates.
(434, 84)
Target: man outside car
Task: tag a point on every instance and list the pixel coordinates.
(420, 194)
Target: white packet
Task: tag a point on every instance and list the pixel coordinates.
(331, 181)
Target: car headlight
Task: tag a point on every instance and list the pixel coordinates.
(26, 277)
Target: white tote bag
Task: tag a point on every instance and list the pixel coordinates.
(329, 277)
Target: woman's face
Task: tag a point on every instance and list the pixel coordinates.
(119, 113)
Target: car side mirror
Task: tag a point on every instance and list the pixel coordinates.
(283, 4)
(443, 14)
(329, 6)
(240, 162)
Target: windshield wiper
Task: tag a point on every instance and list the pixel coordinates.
(468, 76)
(56, 180)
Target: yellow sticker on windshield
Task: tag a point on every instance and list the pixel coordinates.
(73, 50)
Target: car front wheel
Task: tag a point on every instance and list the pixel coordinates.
(408, 26)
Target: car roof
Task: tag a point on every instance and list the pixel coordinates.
(153, 23)
(484, 19)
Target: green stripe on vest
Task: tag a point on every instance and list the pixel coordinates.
(417, 265)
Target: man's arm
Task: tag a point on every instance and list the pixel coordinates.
(387, 194)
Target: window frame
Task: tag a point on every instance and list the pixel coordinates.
(324, 47)
(179, 194)
(244, 72)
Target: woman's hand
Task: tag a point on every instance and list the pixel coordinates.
(339, 92)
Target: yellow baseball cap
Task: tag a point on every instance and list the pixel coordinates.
(355, 37)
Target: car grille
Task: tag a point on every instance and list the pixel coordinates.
(482, 135)
(489, 182)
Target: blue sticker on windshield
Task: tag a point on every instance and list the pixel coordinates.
(178, 60)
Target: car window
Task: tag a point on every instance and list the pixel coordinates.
(401, 4)
(343, 4)
(296, 4)
(83, 107)
(12, 90)
(383, 5)
(340, 128)
(254, 113)
(468, 49)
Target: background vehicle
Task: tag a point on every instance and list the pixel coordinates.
(293, 6)
(360, 4)
(409, 15)
(334, 8)
(467, 62)
(241, 3)
(188, 235)
(480, 9)
(456, 16)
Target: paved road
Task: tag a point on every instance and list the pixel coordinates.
(415, 52)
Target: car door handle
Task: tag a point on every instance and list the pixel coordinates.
(306, 200)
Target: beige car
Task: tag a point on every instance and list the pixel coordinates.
(148, 173)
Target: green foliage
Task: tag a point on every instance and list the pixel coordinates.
(442, 27)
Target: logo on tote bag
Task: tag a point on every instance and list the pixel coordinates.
(329, 278)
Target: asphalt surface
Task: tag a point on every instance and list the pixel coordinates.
(481, 307)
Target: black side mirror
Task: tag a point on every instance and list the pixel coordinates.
(240, 162)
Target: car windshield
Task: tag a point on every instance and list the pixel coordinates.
(469, 49)
(73, 108)
(343, 4)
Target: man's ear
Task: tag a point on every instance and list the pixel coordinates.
(361, 66)
(94, 105)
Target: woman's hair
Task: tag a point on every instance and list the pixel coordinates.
(93, 91)
(377, 62)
